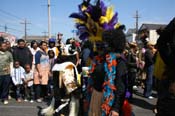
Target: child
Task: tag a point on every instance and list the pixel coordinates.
(17, 74)
(28, 83)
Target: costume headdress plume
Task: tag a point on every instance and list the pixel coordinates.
(93, 20)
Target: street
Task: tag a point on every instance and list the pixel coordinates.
(141, 106)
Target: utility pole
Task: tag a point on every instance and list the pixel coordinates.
(49, 19)
(137, 21)
(5, 28)
(137, 38)
(45, 35)
(25, 28)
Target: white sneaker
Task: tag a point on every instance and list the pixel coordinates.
(150, 97)
(9, 97)
(5, 102)
(134, 87)
(25, 100)
(39, 100)
(31, 101)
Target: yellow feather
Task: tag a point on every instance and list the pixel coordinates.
(98, 37)
(83, 8)
(79, 21)
(117, 25)
(95, 38)
(88, 15)
(109, 13)
(103, 20)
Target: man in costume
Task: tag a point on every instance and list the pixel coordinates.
(114, 92)
(92, 21)
(164, 70)
(65, 84)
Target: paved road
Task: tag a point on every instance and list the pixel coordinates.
(141, 107)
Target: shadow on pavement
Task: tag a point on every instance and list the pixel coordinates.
(142, 103)
(39, 110)
(138, 93)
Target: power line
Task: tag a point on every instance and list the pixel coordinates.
(25, 28)
(7, 28)
(12, 15)
(19, 18)
(14, 32)
(45, 34)
(9, 14)
(10, 22)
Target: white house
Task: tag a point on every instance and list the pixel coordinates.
(131, 35)
(151, 28)
(11, 38)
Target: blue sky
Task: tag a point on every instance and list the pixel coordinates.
(35, 11)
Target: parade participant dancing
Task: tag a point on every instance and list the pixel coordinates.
(91, 22)
(65, 85)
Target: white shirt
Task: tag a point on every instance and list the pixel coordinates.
(66, 50)
(17, 75)
(29, 76)
(33, 51)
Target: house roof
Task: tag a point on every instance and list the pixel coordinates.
(35, 37)
(130, 31)
(152, 26)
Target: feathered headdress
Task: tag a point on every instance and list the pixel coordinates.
(93, 20)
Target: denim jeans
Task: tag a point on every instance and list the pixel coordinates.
(149, 81)
(29, 93)
(4, 86)
(19, 91)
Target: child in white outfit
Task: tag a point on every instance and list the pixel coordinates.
(28, 83)
(17, 74)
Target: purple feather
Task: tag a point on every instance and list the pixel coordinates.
(84, 36)
(79, 8)
(80, 16)
(78, 25)
(114, 20)
(89, 9)
(106, 26)
(103, 7)
(81, 27)
(128, 94)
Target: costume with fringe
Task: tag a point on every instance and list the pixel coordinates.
(97, 75)
(114, 87)
(91, 22)
(109, 84)
(66, 98)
